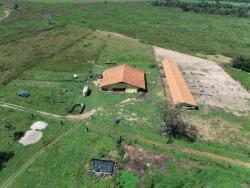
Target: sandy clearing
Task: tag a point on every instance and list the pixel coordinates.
(39, 125)
(208, 82)
(31, 137)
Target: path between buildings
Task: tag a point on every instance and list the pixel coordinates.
(7, 14)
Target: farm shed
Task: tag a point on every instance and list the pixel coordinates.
(179, 90)
(102, 166)
(123, 78)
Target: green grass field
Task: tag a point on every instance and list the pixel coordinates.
(169, 28)
(1, 11)
(43, 58)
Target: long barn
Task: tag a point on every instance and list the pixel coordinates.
(180, 93)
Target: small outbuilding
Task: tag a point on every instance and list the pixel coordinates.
(102, 166)
(123, 78)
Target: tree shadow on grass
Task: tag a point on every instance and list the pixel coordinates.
(4, 158)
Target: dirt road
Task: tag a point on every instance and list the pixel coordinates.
(134, 136)
(49, 115)
(12, 178)
(7, 14)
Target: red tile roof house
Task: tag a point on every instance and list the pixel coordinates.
(123, 78)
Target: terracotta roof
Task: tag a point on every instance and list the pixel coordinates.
(179, 90)
(125, 74)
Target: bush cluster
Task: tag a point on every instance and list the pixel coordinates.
(239, 62)
(206, 7)
(172, 124)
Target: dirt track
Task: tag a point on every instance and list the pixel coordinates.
(208, 82)
(12, 178)
(7, 14)
(68, 117)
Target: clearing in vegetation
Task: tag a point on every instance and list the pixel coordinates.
(209, 83)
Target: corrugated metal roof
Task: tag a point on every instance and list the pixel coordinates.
(179, 90)
(124, 74)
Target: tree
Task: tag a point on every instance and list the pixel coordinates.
(4, 157)
(16, 6)
(6, 125)
(172, 124)
(239, 62)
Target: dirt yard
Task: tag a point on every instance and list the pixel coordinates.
(208, 82)
(138, 160)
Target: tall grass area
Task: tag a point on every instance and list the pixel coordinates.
(166, 27)
(237, 74)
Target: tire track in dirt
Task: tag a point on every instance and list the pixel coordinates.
(92, 112)
(12, 178)
(50, 115)
(7, 14)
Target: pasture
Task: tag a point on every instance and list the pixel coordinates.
(42, 58)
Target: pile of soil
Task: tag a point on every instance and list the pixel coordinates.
(138, 160)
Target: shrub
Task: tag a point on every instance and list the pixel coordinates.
(172, 124)
(206, 7)
(239, 62)
(4, 157)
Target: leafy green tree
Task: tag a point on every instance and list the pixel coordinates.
(172, 124)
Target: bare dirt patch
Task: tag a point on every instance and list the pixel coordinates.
(208, 82)
(126, 101)
(97, 82)
(84, 116)
(31, 137)
(7, 14)
(39, 125)
(138, 160)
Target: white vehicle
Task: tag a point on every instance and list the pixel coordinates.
(85, 90)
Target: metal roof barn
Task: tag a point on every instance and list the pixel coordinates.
(179, 90)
